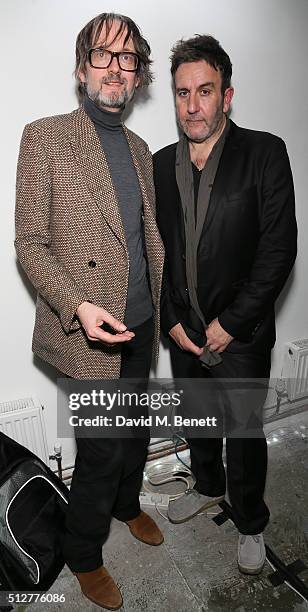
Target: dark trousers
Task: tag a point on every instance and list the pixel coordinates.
(246, 457)
(108, 473)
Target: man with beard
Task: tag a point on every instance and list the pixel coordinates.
(225, 204)
(86, 236)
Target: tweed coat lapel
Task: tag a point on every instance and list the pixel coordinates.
(94, 167)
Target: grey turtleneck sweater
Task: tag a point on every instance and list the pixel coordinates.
(115, 146)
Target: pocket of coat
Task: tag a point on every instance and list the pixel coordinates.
(244, 196)
(240, 283)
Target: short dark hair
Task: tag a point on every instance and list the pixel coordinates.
(89, 35)
(202, 47)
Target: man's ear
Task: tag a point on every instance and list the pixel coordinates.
(228, 95)
(81, 76)
(137, 83)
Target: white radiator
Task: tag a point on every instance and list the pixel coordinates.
(295, 369)
(23, 421)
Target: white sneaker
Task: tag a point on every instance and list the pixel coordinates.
(251, 553)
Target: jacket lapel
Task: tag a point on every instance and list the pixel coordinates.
(223, 175)
(138, 153)
(94, 167)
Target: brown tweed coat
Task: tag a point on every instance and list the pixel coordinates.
(67, 215)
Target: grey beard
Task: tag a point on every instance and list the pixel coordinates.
(116, 100)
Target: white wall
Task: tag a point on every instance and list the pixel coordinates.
(267, 42)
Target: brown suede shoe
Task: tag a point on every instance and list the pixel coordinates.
(99, 587)
(145, 529)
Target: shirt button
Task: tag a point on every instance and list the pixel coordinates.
(92, 263)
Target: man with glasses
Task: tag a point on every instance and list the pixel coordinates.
(87, 238)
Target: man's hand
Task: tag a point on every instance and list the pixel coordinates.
(178, 334)
(92, 317)
(217, 338)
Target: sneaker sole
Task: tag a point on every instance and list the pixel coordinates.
(204, 507)
(250, 570)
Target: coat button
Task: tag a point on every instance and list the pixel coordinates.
(183, 256)
(92, 263)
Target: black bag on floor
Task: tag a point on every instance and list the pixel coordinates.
(33, 502)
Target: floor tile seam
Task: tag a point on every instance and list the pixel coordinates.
(199, 602)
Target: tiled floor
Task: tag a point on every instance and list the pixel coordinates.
(195, 569)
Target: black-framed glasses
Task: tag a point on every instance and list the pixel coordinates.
(102, 58)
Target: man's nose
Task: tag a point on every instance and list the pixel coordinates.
(193, 103)
(114, 65)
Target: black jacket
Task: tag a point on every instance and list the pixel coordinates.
(248, 243)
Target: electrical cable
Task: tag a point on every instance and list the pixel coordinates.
(167, 472)
(289, 585)
(170, 479)
(161, 514)
(178, 439)
(278, 565)
(171, 497)
(276, 562)
(162, 468)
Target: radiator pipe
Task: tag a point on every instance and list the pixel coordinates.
(58, 458)
(152, 455)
